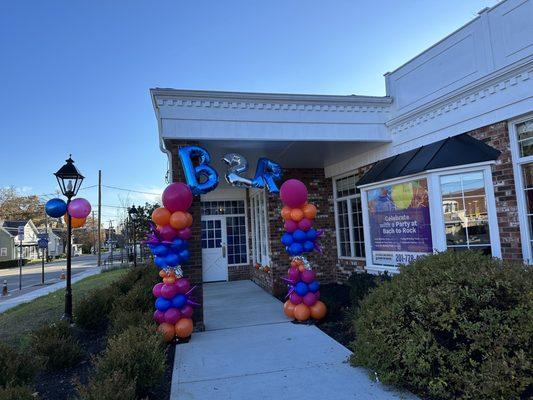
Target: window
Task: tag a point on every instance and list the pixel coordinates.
(464, 204)
(3, 252)
(350, 237)
(236, 235)
(259, 227)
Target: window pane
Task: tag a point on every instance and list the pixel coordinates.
(525, 138)
(455, 234)
(344, 228)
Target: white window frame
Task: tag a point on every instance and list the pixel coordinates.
(518, 161)
(350, 218)
(259, 220)
(436, 215)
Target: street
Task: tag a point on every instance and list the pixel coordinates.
(31, 274)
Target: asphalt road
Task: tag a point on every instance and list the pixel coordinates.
(31, 274)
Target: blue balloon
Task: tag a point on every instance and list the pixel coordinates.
(299, 236)
(55, 208)
(160, 250)
(184, 255)
(172, 259)
(202, 172)
(313, 286)
(295, 249)
(160, 262)
(287, 239)
(311, 234)
(162, 304)
(179, 300)
(266, 173)
(301, 289)
(176, 244)
(309, 246)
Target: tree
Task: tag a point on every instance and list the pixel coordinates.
(15, 206)
(87, 235)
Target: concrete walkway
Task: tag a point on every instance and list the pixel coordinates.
(250, 350)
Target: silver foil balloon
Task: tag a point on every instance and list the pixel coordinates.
(237, 165)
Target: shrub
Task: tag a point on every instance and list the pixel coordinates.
(15, 368)
(451, 326)
(113, 387)
(139, 354)
(17, 393)
(124, 284)
(361, 284)
(56, 346)
(123, 319)
(92, 312)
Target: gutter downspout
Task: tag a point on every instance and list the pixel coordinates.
(161, 142)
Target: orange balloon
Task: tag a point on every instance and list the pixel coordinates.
(184, 328)
(162, 273)
(167, 331)
(170, 280)
(178, 220)
(318, 310)
(172, 273)
(302, 312)
(288, 309)
(301, 268)
(286, 212)
(189, 219)
(297, 214)
(161, 216)
(309, 211)
(75, 222)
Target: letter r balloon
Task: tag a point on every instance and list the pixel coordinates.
(200, 176)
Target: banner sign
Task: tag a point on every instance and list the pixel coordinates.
(400, 226)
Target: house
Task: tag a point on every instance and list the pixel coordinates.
(7, 246)
(443, 161)
(55, 243)
(29, 243)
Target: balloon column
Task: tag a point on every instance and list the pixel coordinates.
(78, 209)
(300, 237)
(169, 244)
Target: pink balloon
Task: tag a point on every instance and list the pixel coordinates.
(186, 311)
(293, 193)
(156, 290)
(168, 291)
(185, 234)
(79, 208)
(182, 285)
(308, 276)
(305, 224)
(159, 316)
(168, 233)
(177, 197)
(172, 315)
(290, 226)
(309, 299)
(295, 299)
(294, 274)
(317, 295)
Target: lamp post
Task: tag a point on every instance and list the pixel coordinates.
(69, 180)
(133, 216)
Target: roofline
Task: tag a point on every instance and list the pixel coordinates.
(200, 94)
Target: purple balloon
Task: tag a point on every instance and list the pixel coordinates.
(308, 276)
(309, 299)
(305, 224)
(185, 234)
(295, 299)
(172, 315)
(159, 316)
(168, 291)
(317, 295)
(293, 193)
(79, 208)
(177, 197)
(168, 233)
(156, 290)
(294, 274)
(182, 285)
(186, 311)
(290, 226)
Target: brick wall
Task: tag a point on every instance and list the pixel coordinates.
(239, 272)
(497, 136)
(193, 269)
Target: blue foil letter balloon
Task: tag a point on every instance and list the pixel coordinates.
(266, 174)
(201, 178)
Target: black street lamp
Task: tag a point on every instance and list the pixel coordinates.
(69, 179)
(133, 216)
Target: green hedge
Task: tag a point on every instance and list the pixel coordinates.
(12, 263)
(451, 326)
(16, 368)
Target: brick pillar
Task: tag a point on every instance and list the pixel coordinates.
(320, 191)
(193, 269)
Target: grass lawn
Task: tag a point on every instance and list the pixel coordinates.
(18, 321)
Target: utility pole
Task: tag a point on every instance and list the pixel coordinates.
(99, 217)
(94, 234)
(110, 239)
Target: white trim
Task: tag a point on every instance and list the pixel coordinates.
(525, 234)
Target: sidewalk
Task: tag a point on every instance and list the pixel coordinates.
(250, 350)
(27, 297)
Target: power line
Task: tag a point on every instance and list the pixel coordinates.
(131, 190)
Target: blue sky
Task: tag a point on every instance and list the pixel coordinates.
(75, 75)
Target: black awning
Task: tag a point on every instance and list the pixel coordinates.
(453, 151)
